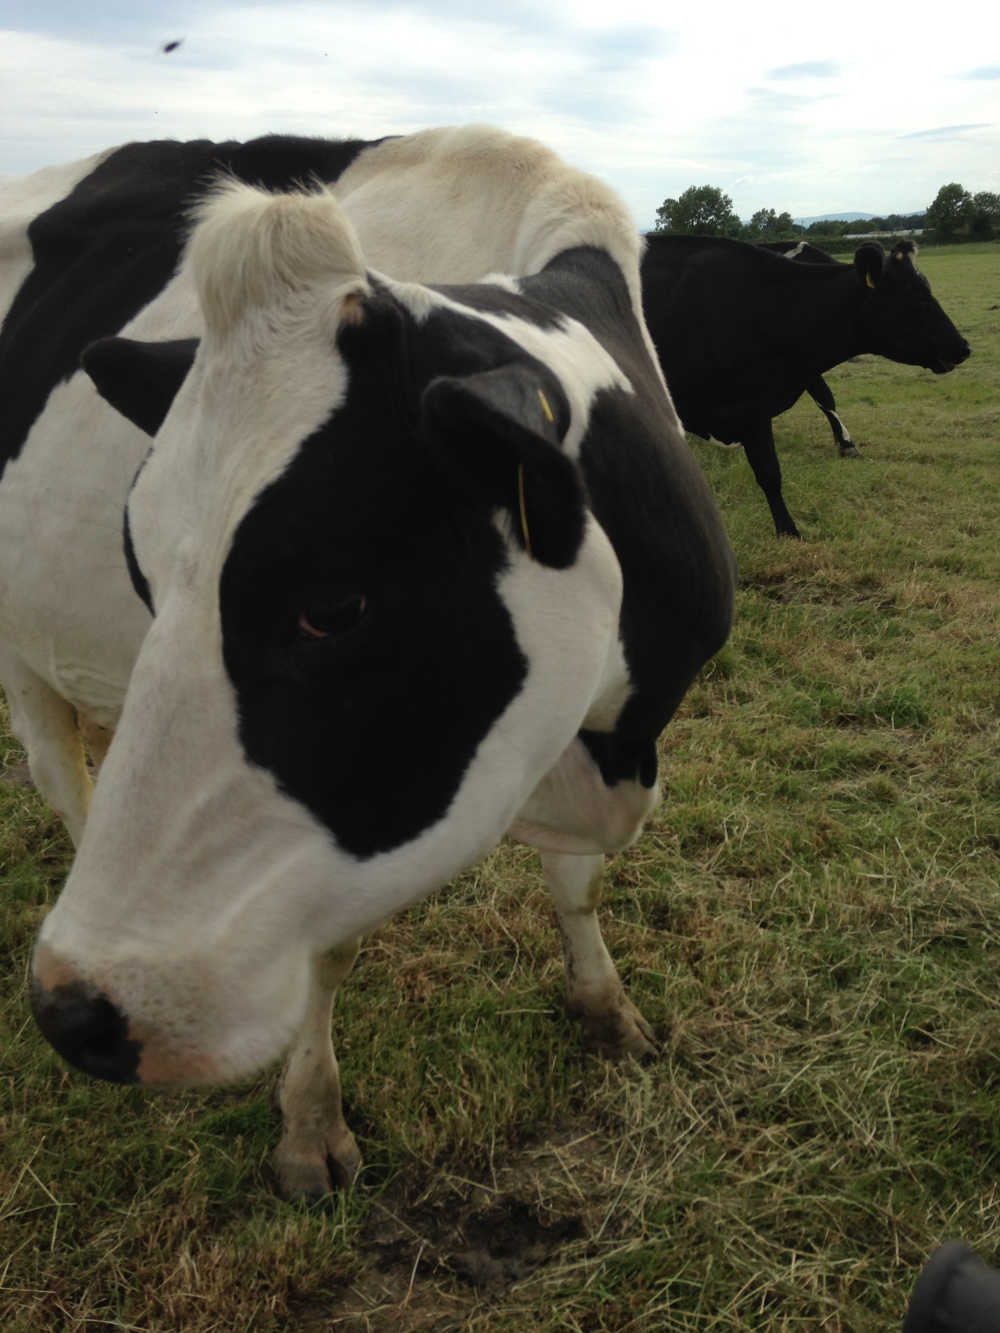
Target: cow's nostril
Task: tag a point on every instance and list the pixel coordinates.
(87, 1030)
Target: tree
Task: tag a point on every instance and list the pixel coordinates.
(827, 227)
(702, 210)
(767, 225)
(985, 214)
(951, 210)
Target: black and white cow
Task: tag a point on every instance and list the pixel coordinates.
(741, 333)
(419, 557)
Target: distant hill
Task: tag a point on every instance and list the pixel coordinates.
(835, 217)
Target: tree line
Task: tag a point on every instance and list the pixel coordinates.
(954, 214)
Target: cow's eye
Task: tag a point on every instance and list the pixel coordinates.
(324, 619)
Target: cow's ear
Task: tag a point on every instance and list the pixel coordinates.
(869, 261)
(139, 379)
(500, 432)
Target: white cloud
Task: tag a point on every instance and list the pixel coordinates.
(776, 114)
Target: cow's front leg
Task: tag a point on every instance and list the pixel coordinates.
(595, 991)
(758, 445)
(46, 726)
(317, 1151)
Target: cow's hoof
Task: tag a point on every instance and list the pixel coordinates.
(849, 453)
(313, 1177)
(618, 1032)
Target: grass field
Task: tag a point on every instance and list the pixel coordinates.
(811, 922)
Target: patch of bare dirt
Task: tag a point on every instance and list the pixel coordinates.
(428, 1267)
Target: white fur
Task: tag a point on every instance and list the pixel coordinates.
(251, 250)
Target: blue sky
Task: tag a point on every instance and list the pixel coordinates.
(871, 113)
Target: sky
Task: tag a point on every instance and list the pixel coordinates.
(808, 110)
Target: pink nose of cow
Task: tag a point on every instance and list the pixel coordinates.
(87, 1030)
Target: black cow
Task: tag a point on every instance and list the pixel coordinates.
(741, 333)
(817, 388)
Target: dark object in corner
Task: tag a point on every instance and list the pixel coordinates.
(955, 1293)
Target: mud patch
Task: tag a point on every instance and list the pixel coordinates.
(506, 1244)
(428, 1267)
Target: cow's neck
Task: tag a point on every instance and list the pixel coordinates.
(820, 324)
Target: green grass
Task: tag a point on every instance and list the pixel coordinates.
(811, 922)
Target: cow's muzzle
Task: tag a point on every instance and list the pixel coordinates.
(87, 1029)
(959, 353)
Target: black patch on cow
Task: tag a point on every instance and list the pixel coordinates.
(495, 299)
(387, 514)
(139, 580)
(621, 758)
(109, 247)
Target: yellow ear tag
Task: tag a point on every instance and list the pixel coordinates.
(522, 508)
(545, 406)
(868, 281)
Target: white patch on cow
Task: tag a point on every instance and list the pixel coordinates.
(86, 623)
(582, 366)
(794, 254)
(504, 280)
(511, 204)
(573, 811)
(843, 429)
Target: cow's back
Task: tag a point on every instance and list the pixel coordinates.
(737, 328)
(510, 206)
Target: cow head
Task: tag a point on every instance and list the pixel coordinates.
(899, 317)
(381, 610)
